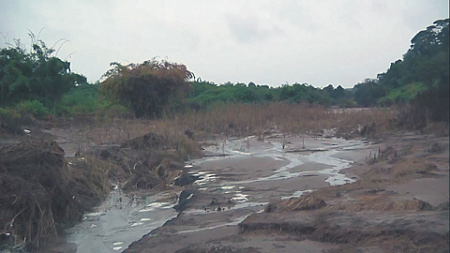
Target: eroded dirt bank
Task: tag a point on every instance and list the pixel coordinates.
(399, 202)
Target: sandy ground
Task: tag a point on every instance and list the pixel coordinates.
(242, 185)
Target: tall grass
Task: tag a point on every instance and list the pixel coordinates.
(249, 119)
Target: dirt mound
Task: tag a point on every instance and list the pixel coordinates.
(307, 202)
(37, 191)
(414, 204)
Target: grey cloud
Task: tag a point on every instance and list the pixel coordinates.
(318, 42)
(249, 29)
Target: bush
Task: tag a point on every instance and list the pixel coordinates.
(9, 120)
(80, 100)
(32, 108)
(107, 108)
(147, 88)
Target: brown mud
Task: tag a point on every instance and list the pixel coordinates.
(398, 203)
(278, 194)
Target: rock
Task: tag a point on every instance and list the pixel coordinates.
(184, 198)
(185, 179)
(270, 208)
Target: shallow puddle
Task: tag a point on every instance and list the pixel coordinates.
(116, 224)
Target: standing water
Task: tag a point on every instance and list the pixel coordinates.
(119, 221)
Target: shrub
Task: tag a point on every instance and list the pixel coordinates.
(147, 88)
(32, 108)
(9, 120)
(80, 100)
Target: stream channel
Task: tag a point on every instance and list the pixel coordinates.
(237, 177)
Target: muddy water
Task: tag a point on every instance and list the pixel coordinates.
(238, 178)
(119, 221)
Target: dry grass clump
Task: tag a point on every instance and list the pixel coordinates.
(89, 180)
(382, 202)
(39, 192)
(161, 173)
(148, 161)
(414, 167)
(332, 192)
(33, 191)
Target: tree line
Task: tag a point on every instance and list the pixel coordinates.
(36, 81)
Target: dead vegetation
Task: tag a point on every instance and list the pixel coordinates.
(148, 161)
(40, 192)
(242, 120)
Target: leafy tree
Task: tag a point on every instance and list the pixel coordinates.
(198, 87)
(147, 88)
(79, 100)
(368, 92)
(338, 96)
(302, 93)
(35, 75)
(421, 78)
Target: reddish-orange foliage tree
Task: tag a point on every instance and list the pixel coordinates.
(147, 88)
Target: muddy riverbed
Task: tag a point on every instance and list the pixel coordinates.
(238, 177)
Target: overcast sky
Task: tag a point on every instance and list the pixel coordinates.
(319, 42)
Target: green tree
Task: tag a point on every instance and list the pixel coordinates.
(422, 77)
(35, 75)
(368, 92)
